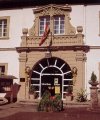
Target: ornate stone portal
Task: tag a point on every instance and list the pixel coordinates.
(67, 48)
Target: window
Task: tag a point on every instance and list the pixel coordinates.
(3, 68)
(59, 25)
(4, 27)
(99, 23)
(43, 22)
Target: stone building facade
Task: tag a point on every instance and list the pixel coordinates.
(55, 67)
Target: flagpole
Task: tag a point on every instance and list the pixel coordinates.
(49, 55)
(50, 43)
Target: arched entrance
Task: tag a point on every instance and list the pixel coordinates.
(53, 74)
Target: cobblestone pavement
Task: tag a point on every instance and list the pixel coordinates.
(29, 112)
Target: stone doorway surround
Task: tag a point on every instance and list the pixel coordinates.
(51, 72)
(69, 47)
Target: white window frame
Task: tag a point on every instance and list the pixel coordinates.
(59, 25)
(99, 23)
(2, 36)
(99, 74)
(45, 21)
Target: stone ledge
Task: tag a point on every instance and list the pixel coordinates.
(76, 104)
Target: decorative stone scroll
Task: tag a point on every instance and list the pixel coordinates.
(74, 74)
(52, 10)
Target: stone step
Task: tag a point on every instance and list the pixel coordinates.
(66, 104)
(77, 104)
(33, 102)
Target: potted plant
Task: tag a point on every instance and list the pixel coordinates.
(81, 96)
(32, 92)
(50, 103)
(93, 80)
(45, 102)
(69, 94)
(57, 103)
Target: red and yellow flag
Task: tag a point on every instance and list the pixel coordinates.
(45, 35)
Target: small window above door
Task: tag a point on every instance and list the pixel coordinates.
(59, 27)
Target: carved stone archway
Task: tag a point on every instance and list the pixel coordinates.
(51, 72)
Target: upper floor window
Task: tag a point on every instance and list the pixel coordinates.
(43, 22)
(4, 27)
(59, 25)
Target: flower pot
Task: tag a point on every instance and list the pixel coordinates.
(93, 83)
(31, 96)
(68, 98)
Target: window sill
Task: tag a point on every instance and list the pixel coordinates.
(4, 38)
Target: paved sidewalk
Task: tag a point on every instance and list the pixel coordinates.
(16, 111)
(10, 109)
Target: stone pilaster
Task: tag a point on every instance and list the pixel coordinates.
(22, 65)
(24, 37)
(22, 76)
(80, 36)
(80, 60)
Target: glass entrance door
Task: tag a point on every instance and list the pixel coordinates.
(52, 83)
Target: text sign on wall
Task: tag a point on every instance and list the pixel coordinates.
(57, 89)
